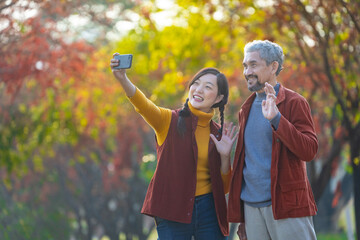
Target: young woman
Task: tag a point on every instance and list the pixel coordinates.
(186, 195)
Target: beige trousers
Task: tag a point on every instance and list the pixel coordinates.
(261, 225)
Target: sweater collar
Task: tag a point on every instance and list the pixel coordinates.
(263, 94)
(280, 94)
(203, 117)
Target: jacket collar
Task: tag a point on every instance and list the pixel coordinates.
(281, 95)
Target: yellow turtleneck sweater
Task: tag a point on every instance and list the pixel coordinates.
(159, 119)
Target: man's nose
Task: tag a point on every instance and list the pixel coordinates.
(247, 71)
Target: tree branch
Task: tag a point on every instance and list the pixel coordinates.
(6, 6)
(351, 16)
(337, 94)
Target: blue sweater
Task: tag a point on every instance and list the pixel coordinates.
(258, 147)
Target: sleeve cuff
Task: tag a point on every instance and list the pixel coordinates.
(276, 120)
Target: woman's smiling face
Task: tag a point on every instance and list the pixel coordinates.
(203, 93)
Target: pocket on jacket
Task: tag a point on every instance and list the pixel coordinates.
(294, 194)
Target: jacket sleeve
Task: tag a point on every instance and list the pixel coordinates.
(296, 129)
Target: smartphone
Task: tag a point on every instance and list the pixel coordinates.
(125, 61)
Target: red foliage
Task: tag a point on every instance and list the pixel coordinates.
(337, 195)
(35, 52)
(334, 166)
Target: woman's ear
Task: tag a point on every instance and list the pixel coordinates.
(219, 98)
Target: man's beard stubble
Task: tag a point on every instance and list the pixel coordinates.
(257, 87)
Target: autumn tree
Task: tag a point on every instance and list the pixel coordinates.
(43, 121)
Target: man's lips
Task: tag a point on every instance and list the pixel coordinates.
(251, 78)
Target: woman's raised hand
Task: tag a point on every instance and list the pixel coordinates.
(225, 144)
(120, 75)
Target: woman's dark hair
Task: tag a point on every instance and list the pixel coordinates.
(223, 89)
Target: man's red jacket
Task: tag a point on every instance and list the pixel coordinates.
(294, 143)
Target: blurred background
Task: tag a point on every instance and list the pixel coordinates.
(76, 159)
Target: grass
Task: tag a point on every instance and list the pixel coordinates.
(321, 236)
(330, 236)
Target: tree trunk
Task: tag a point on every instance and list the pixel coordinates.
(355, 163)
(327, 218)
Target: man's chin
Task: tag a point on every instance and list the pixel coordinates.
(256, 87)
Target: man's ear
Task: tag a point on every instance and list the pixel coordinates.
(274, 67)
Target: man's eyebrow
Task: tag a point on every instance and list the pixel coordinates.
(250, 62)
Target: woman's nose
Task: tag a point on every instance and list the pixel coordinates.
(199, 89)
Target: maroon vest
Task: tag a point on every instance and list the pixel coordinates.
(171, 192)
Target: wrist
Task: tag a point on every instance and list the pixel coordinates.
(225, 170)
(225, 165)
(225, 158)
(275, 120)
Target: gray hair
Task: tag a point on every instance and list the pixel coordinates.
(268, 51)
